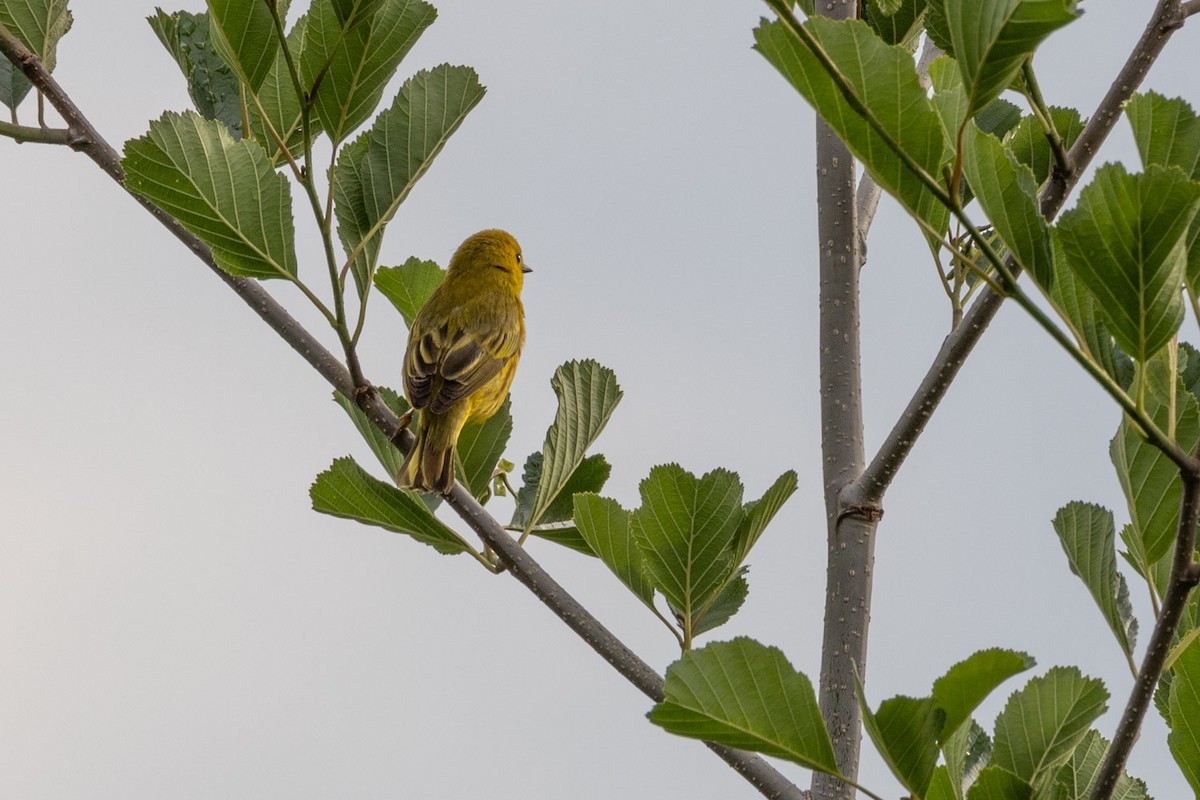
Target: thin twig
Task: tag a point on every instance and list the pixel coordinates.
(26, 133)
(770, 782)
(878, 476)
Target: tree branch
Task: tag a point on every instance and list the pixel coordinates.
(521, 565)
(869, 489)
(26, 133)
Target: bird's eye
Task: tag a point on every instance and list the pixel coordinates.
(518, 258)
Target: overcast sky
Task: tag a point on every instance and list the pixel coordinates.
(176, 622)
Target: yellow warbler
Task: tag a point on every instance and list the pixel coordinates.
(462, 353)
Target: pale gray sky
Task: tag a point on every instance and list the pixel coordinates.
(176, 622)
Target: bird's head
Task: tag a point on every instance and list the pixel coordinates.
(491, 254)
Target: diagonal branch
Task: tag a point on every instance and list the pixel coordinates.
(869, 489)
(520, 564)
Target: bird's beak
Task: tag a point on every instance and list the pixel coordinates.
(525, 268)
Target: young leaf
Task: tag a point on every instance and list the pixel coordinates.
(905, 732)
(727, 603)
(224, 191)
(1183, 714)
(245, 36)
(1088, 536)
(745, 695)
(377, 171)
(409, 285)
(1074, 779)
(968, 750)
(685, 529)
(346, 490)
(213, 87)
(480, 445)
(587, 395)
(884, 81)
(1042, 723)
(1008, 194)
(759, 513)
(1029, 145)
(388, 454)
(991, 39)
(1125, 241)
(995, 783)
(350, 53)
(604, 525)
(965, 685)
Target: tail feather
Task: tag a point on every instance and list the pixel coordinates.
(429, 466)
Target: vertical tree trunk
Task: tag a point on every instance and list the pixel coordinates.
(851, 533)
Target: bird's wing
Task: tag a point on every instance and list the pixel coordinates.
(457, 358)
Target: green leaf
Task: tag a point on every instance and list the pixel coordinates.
(991, 39)
(722, 608)
(905, 732)
(245, 35)
(901, 25)
(281, 109)
(346, 490)
(1088, 536)
(1008, 194)
(388, 454)
(409, 285)
(759, 513)
(375, 173)
(351, 50)
(480, 445)
(884, 81)
(995, 783)
(39, 24)
(1183, 714)
(941, 787)
(1043, 722)
(587, 395)
(965, 685)
(1125, 241)
(1074, 780)
(1029, 144)
(745, 695)
(604, 525)
(213, 87)
(554, 523)
(1149, 479)
(14, 86)
(968, 750)
(224, 191)
(685, 530)
(1079, 307)
(998, 118)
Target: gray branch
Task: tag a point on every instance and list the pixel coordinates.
(84, 138)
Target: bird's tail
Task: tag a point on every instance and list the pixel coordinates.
(429, 466)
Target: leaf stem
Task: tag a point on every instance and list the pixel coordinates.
(26, 133)
(1033, 94)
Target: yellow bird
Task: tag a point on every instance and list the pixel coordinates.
(462, 353)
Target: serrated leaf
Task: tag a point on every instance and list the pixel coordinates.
(759, 513)
(1125, 242)
(991, 39)
(966, 684)
(587, 396)
(347, 490)
(589, 476)
(38, 24)
(409, 285)
(998, 118)
(728, 602)
(1183, 714)
(480, 445)
(388, 454)
(375, 173)
(941, 787)
(745, 695)
(905, 732)
(1079, 307)
(1150, 480)
(968, 750)
(604, 525)
(685, 529)
(245, 36)
(1029, 145)
(224, 191)
(1074, 780)
(351, 50)
(884, 81)
(281, 117)
(1008, 194)
(898, 22)
(213, 87)
(995, 783)
(1088, 536)
(1043, 722)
